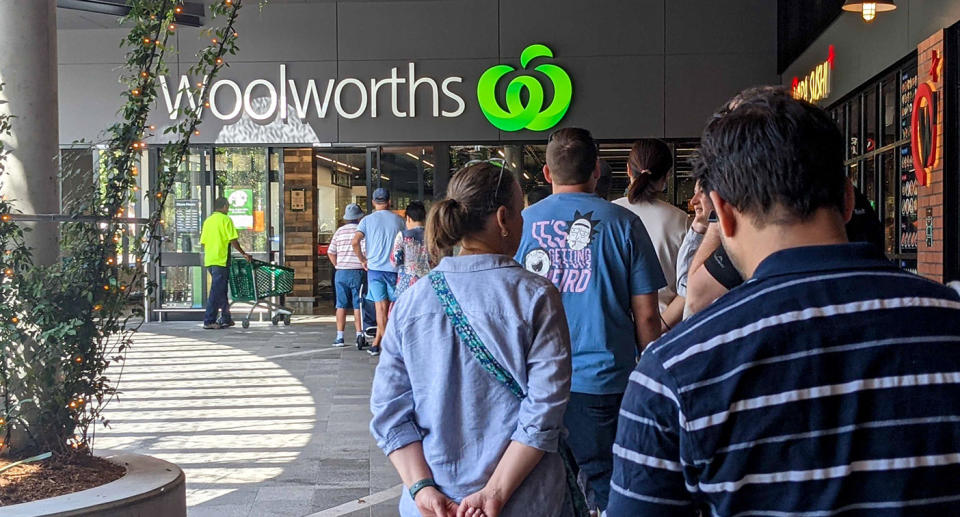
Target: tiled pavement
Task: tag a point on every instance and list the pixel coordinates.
(267, 421)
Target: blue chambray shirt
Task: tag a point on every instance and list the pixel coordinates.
(429, 386)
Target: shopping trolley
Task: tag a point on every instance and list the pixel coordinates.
(255, 282)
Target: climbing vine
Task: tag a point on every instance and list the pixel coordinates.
(63, 325)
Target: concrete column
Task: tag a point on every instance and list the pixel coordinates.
(28, 67)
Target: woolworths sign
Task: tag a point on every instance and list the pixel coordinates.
(264, 100)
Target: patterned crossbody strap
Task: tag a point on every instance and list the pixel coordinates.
(470, 338)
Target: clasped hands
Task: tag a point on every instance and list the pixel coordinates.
(432, 503)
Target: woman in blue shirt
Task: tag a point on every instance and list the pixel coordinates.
(460, 436)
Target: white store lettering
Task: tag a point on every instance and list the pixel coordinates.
(346, 105)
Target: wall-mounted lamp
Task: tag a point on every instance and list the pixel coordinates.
(869, 10)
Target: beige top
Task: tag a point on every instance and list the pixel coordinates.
(666, 225)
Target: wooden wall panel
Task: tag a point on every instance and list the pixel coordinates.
(300, 228)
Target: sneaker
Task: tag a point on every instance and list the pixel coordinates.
(361, 341)
(339, 343)
(374, 351)
(211, 326)
(228, 324)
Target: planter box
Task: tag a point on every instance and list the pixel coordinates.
(151, 487)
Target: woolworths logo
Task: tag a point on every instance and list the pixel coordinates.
(403, 93)
(530, 115)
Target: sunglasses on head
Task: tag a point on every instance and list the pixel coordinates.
(500, 162)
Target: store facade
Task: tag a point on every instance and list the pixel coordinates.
(892, 88)
(327, 100)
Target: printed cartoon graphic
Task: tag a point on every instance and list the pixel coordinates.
(537, 261)
(581, 231)
(564, 255)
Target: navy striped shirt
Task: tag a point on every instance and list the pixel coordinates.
(827, 384)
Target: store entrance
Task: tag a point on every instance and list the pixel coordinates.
(341, 177)
(249, 178)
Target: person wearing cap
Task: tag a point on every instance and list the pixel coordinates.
(349, 272)
(378, 231)
(217, 236)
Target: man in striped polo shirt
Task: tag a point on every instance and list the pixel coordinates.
(828, 383)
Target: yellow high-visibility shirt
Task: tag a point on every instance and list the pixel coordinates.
(217, 232)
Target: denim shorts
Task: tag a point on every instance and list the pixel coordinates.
(381, 285)
(347, 286)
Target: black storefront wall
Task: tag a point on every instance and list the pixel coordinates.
(638, 68)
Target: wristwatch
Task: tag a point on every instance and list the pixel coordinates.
(420, 485)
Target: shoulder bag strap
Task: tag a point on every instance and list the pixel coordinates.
(470, 338)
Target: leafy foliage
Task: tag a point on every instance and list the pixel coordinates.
(62, 325)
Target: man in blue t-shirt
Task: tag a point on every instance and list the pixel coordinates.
(379, 229)
(601, 259)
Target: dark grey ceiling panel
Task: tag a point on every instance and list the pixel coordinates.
(724, 26)
(425, 29)
(293, 32)
(614, 97)
(579, 28)
(697, 84)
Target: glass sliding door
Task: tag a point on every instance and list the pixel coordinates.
(241, 176)
(180, 266)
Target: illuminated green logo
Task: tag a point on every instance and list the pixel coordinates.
(518, 115)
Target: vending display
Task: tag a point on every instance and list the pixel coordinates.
(909, 231)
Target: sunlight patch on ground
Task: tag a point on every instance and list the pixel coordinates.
(225, 416)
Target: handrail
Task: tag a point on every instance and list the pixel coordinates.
(63, 218)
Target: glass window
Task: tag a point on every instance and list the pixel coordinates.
(908, 90)
(889, 180)
(890, 115)
(337, 188)
(402, 172)
(869, 182)
(853, 172)
(182, 213)
(181, 287)
(241, 177)
(870, 119)
(853, 131)
(908, 202)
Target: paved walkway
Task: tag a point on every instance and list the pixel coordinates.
(268, 421)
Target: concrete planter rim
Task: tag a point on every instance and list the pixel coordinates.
(146, 478)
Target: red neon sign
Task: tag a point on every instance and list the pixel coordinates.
(924, 130)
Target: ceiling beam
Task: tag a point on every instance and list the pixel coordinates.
(192, 15)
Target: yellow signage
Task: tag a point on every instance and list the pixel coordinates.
(816, 85)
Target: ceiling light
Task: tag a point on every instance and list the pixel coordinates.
(322, 157)
(869, 10)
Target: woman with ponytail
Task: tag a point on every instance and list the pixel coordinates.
(474, 377)
(649, 167)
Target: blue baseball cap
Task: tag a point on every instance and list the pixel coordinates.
(381, 195)
(352, 212)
